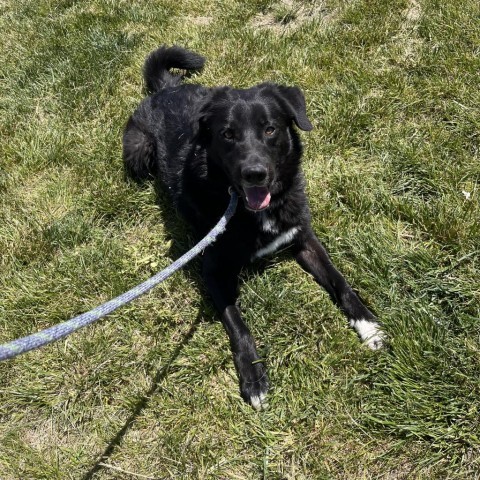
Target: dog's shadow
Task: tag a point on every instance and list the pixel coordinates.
(182, 239)
(177, 231)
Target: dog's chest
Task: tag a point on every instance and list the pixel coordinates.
(273, 234)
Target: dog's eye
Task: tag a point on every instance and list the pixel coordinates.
(270, 131)
(228, 134)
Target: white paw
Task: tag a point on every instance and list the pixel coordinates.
(259, 402)
(369, 332)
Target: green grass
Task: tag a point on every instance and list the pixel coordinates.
(393, 175)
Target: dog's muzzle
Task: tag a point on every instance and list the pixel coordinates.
(254, 185)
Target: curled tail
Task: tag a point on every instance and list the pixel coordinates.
(159, 62)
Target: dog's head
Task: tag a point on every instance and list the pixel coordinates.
(249, 134)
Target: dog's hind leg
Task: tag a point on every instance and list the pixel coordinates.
(221, 278)
(313, 258)
(138, 152)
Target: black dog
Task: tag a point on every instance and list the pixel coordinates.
(200, 141)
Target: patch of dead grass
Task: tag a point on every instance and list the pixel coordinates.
(288, 16)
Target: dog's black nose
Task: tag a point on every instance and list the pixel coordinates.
(254, 174)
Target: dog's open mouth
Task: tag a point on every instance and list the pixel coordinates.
(257, 198)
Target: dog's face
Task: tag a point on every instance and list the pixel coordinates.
(249, 134)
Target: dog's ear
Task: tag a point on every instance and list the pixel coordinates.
(203, 117)
(209, 108)
(294, 102)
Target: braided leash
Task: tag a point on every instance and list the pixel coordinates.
(52, 334)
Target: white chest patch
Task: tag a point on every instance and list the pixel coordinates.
(268, 224)
(274, 245)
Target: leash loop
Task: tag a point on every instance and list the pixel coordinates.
(61, 330)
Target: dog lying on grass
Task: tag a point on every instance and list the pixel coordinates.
(199, 142)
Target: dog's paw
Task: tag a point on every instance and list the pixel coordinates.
(369, 332)
(254, 387)
(260, 402)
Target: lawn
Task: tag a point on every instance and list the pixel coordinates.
(393, 176)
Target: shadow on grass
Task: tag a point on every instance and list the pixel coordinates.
(183, 239)
(143, 402)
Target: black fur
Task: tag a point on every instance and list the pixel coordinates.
(199, 141)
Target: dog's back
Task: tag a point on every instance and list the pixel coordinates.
(168, 109)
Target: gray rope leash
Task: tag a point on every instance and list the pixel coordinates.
(49, 335)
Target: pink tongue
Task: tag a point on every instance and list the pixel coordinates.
(258, 198)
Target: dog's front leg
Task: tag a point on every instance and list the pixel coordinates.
(313, 258)
(221, 278)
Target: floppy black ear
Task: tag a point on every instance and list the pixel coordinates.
(203, 116)
(295, 103)
(209, 107)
